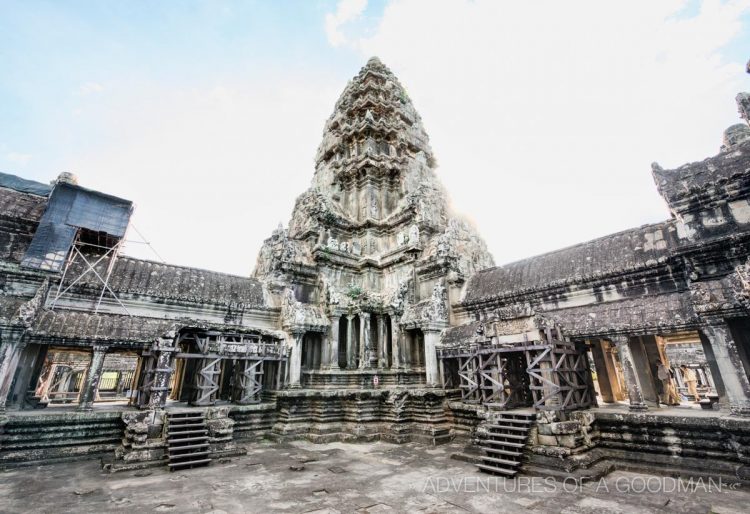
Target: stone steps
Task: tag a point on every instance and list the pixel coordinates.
(187, 440)
(501, 440)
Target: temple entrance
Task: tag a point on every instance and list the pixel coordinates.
(211, 367)
(312, 351)
(502, 380)
(548, 373)
(490, 377)
(414, 348)
(669, 370)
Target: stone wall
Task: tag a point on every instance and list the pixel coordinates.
(44, 438)
(594, 443)
(366, 415)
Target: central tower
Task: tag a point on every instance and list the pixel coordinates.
(372, 241)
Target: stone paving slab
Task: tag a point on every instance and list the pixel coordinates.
(343, 477)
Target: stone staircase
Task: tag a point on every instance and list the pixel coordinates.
(502, 439)
(187, 440)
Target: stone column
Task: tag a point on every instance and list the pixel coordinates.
(635, 395)
(364, 340)
(295, 360)
(333, 343)
(350, 358)
(718, 383)
(382, 342)
(11, 347)
(729, 363)
(395, 342)
(90, 384)
(602, 372)
(316, 349)
(164, 350)
(431, 339)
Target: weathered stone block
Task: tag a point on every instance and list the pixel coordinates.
(547, 440)
(565, 427)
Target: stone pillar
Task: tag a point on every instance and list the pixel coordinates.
(316, 350)
(382, 342)
(609, 361)
(11, 347)
(90, 384)
(602, 372)
(395, 342)
(645, 352)
(350, 357)
(333, 343)
(364, 340)
(431, 339)
(718, 383)
(635, 395)
(164, 350)
(731, 369)
(295, 361)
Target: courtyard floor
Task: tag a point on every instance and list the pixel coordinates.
(342, 477)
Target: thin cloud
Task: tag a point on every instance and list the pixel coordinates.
(21, 159)
(346, 11)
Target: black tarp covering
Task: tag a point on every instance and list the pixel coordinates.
(70, 208)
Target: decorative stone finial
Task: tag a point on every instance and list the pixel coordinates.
(743, 105)
(374, 61)
(735, 135)
(67, 177)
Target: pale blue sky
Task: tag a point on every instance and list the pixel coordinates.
(56, 55)
(207, 114)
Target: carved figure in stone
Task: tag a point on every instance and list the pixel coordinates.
(291, 310)
(399, 298)
(702, 298)
(741, 284)
(374, 207)
(414, 235)
(344, 246)
(356, 248)
(443, 246)
(437, 310)
(401, 239)
(333, 243)
(289, 251)
(333, 297)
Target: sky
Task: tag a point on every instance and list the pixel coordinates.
(544, 116)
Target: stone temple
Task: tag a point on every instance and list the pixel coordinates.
(378, 314)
